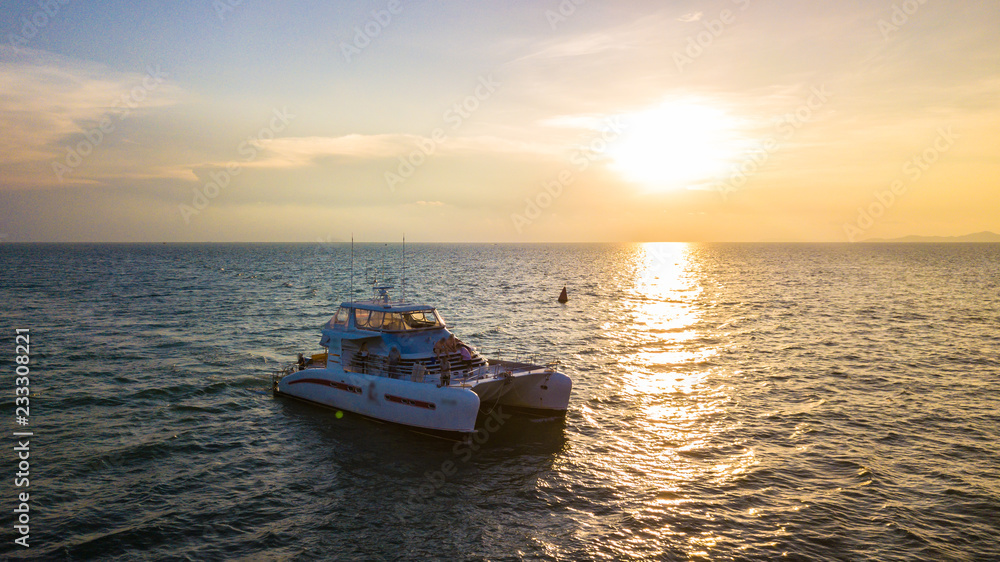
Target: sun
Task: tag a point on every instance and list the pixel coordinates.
(676, 145)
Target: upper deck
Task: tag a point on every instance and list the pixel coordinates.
(380, 314)
(386, 307)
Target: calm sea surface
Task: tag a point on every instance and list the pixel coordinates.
(730, 402)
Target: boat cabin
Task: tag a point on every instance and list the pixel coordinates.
(395, 340)
(377, 317)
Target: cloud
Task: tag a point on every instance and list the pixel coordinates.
(297, 152)
(48, 99)
(690, 17)
(578, 46)
(589, 121)
(301, 151)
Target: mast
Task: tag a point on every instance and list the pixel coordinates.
(404, 269)
(351, 298)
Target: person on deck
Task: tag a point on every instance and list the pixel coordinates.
(363, 358)
(393, 362)
(466, 354)
(445, 371)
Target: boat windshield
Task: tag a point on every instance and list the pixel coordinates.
(421, 319)
(397, 321)
(340, 318)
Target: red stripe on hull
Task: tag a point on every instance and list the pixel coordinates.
(410, 402)
(334, 384)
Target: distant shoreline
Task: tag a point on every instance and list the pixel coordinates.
(977, 237)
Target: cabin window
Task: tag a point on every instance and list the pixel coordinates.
(392, 322)
(340, 319)
(360, 318)
(375, 320)
(421, 319)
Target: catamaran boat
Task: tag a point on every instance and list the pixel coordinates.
(399, 363)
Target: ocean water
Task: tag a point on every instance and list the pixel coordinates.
(730, 402)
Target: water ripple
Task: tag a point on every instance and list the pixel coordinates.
(731, 402)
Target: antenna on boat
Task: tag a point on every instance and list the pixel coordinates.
(403, 292)
(351, 298)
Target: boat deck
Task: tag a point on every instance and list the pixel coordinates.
(505, 365)
(461, 370)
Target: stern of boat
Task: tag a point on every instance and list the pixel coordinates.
(533, 388)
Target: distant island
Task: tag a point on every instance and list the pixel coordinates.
(984, 236)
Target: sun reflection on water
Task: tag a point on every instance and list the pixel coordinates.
(660, 305)
(674, 439)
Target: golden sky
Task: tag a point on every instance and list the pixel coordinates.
(499, 121)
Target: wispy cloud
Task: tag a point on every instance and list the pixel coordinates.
(301, 151)
(297, 152)
(578, 46)
(57, 95)
(49, 99)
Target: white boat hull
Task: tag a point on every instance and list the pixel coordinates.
(426, 405)
(536, 389)
(421, 405)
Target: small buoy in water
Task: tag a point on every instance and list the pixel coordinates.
(562, 296)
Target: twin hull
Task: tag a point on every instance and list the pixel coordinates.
(425, 405)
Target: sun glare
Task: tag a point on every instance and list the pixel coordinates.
(676, 145)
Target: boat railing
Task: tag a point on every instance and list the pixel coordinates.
(281, 373)
(408, 369)
(462, 370)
